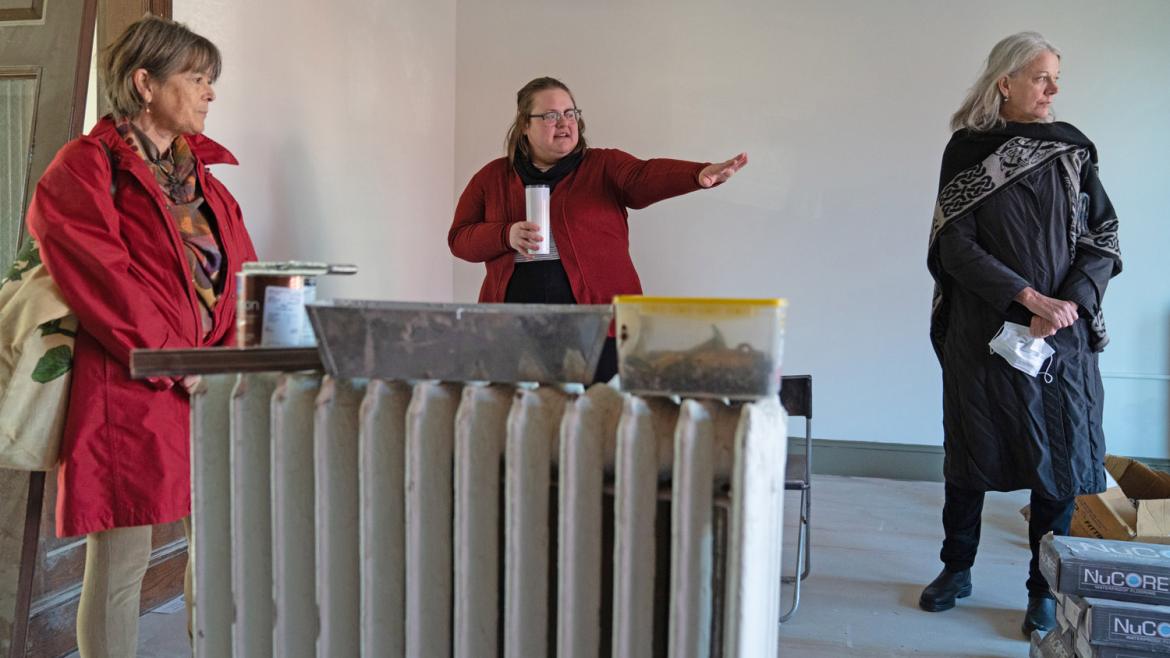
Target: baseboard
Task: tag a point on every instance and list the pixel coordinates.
(894, 461)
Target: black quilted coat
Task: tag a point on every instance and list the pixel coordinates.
(1021, 206)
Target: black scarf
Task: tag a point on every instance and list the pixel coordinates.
(968, 148)
(530, 175)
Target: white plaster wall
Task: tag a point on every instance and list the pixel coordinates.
(843, 108)
(341, 115)
(358, 124)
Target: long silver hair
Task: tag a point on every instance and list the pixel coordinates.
(980, 109)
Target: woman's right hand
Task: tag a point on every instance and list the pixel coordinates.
(1057, 312)
(523, 236)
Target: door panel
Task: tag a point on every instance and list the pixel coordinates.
(48, 43)
(22, 10)
(18, 95)
(44, 62)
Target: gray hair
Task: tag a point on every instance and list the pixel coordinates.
(980, 109)
(162, 47)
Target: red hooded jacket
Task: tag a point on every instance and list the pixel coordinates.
(120, 264)
(587, 211)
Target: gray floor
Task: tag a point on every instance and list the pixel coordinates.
(875, 545)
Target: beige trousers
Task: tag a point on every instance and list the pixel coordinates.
(115, 563)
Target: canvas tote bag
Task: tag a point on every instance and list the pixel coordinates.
(37, 331)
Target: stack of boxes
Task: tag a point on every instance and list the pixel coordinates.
(1113, 598)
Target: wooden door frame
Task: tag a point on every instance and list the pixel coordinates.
(28, 564)
(111, 18)
(36, 481)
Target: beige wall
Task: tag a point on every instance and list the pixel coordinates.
(358, 129)
(843, 108)
(341, 116)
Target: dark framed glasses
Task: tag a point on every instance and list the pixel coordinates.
(552, 117)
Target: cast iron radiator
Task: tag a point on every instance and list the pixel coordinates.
(342, 518)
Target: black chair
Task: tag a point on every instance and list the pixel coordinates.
(796, 397)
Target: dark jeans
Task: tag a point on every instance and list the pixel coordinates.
(545, 282)
(962, 516)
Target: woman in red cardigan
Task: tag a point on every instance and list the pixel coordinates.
(588, 260)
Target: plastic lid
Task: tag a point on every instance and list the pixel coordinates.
(707, 301)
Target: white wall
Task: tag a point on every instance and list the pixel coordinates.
(340, 114)
(343, 122)
(843, 108)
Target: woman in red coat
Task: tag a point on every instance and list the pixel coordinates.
(590, 189)
(144, 244)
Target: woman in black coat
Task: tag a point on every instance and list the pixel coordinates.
(1023, 245)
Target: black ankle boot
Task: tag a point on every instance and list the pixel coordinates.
(941, 593)
(1041, 615)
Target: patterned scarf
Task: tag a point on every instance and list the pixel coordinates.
(979, 165)
(175, 173)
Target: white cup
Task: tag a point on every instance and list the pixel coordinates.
(536, 207)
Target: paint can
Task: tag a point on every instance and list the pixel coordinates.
(270, 310)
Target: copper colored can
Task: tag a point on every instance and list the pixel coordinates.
(297, 284)
(253, 287)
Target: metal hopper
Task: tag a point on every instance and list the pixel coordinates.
(461, 342)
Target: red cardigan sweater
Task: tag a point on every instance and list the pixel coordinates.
(588, 215)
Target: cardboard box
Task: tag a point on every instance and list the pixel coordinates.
(1069, 644)
(1153, 521)
(1107, 515)
(1068, 611)
(1086, 650)
(1056, 644)
(1102, 568)
(1127, 619)
(1137, 509)
(1126, 625)
(1138, 480)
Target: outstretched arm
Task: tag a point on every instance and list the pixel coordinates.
(640, 183)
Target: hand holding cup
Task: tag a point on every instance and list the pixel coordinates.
(524, 237)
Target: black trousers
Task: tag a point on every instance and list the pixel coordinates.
(545, 282)
(962, 518)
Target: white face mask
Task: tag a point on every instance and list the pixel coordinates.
(1022, 350)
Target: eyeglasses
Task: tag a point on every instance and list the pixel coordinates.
(554, 116)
